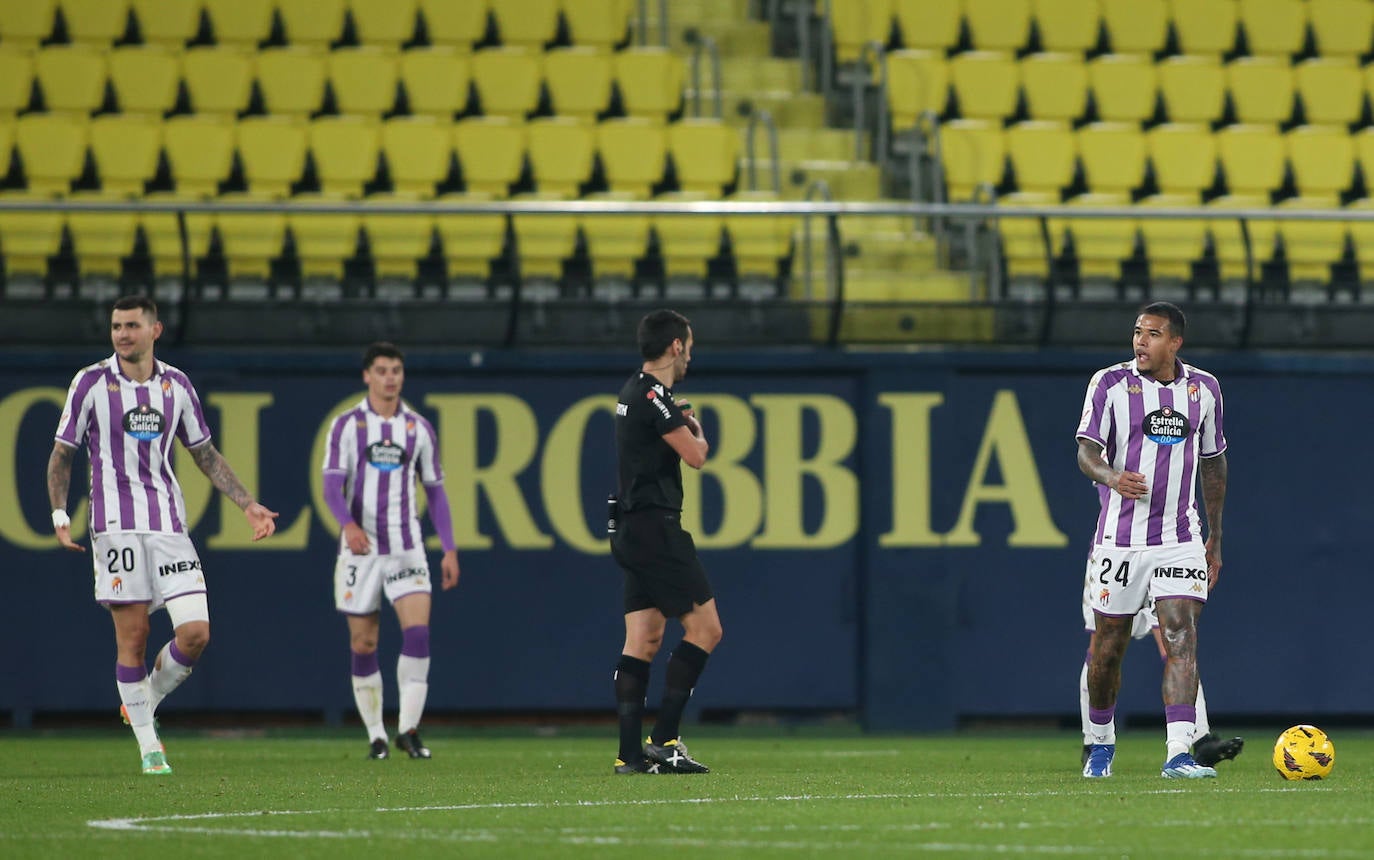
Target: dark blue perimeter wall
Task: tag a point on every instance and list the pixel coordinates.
(900, 536)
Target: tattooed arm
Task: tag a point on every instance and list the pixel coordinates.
(59, 484)
(1131, 485)
(217, 469)
(1213, 472)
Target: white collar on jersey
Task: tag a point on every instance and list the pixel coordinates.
(1180, 372)
(401, 408)
(113, 361)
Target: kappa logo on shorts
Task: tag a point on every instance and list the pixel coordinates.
(1165, 426)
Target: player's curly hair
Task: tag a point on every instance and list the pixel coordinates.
(658, 330)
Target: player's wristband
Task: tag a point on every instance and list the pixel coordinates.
(60, 520)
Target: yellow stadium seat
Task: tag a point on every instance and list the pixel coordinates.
(688, 242)
(856, 23)
(291, 80)
(1113, 156)
(24, 25)
(1023, 238)
(1364, 151)
(200, 151)
(345, 149)
(242, 23)
(16, 81)
(1194, 88)
(1310, 247)
(101, 240)
(169, 23)
(312, 23)
(458, 25)
(1184, 157)
(508, 81)
(126, 149)
(145, 79)
(650, 81)
(164, 239)
(1056, 86)
(1261, 89)
(272, 152)
(72, 78)
(1124, 87)
(1330, 89)
(1253, 158)
(634, 154)
(973, 153)
(986, 84)
(6, 143)
(705, 153)
(759, 242)
(928, 25)
(363, 80)
(397, 242)
(1171, 245)
(543, 243)
(28, 239)
(1136, 26)
(1362, 231)
(998, 25)
(1323, 160)
(562, 151)
(418, 153)
(615, 242)
(1043, 155)
(526, 23)
(917, 81)
(1274, 27)
(471, 241)
(1342, 27)
(1102, 243)
(219, 80)
(324, 242)
(1204, 27)
(579, 81)
(386, 24)
(53, 149)
(436, 81)
(95, 22)
(250, 241)
(491, 151)
(1067, 25)
(1229, 242)
(600, 24)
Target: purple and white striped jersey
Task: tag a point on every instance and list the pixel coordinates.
(1160, 430)
(380, 456)
(127, 428)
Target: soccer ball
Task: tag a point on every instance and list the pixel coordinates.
(1304, 752)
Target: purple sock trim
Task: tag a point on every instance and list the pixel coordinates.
(129, 674)
(364, 664)
(415, 641)
(176, 654)
(1180, 713)
(1101, 716)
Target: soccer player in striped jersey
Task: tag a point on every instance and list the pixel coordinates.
(1151, 431)
(126, 410)
(374, 453)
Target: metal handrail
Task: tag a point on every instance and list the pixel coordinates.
(701, 42)
(925, 141)
(765, 118)
(643, 28)
(821, 187)
(879, 55)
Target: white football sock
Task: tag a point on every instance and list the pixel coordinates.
(1179, 735)
(168, 673)
(367, 695)
(1102, 734)
(136, 698)
(412, 676)
(1083, 703)
(1203, 725)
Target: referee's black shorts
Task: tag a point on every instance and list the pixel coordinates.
(660, 561)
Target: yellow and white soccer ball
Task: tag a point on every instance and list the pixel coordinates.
(1304, 752)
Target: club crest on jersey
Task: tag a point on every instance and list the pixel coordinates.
(143, 422)
(1165, 426)
(1193, 393)
(385, 456)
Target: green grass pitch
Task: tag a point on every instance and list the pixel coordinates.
(794, 794)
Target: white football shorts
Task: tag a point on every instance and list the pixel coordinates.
(145, 567)
(1145, 619)
(361, 580)
(1122, 582)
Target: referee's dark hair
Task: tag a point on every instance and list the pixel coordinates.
(659, 329)
(1171, 312)
(382, 349)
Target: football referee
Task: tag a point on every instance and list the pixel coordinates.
(664, 579)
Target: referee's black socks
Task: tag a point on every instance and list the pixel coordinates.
(684, 668)
(631, 680)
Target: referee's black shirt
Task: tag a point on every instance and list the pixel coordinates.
(650, 470)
